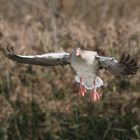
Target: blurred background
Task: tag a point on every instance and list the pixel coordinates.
(41, 103)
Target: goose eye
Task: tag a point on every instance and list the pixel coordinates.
(112, 59)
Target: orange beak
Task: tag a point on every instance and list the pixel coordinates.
(78, 52)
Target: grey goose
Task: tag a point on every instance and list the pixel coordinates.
(85, 63)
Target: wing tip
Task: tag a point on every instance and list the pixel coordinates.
(9, 52)
(130, 63)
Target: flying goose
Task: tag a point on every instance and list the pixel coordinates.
(85, 63)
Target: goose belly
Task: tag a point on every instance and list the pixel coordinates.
(87, 73)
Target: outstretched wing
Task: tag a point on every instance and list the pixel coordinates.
(48, 59)
(126, 65)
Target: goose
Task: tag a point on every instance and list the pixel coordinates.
(85, 63)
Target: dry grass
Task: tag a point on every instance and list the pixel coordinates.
(39, 103)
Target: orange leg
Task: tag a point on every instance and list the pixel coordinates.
(82, 89)
(94, 94)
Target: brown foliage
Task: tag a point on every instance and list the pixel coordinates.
(43, 101)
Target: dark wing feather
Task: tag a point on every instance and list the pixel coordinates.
(126, 65)
(48, 59)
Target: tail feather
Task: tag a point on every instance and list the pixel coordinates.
(98, 81)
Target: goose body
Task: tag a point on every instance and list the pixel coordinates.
(86, 66)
